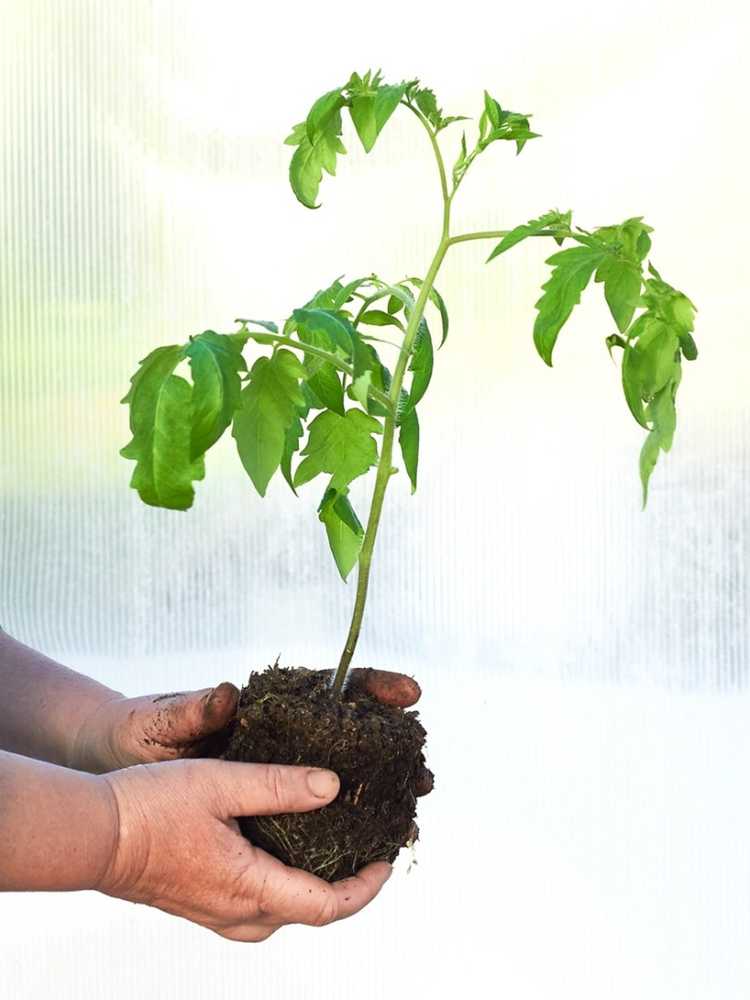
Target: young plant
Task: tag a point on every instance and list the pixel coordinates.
(322, 403)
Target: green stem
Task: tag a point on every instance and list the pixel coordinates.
(494, 234)
(385, 467)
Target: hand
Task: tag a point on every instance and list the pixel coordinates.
(154, 728)
(178, 847)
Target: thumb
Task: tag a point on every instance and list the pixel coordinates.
(268, 789)
(181, 719)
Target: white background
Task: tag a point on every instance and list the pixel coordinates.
(584, 664)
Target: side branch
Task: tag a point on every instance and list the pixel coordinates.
(494, 234)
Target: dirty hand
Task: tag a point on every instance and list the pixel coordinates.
(164, 727)
(179, 848)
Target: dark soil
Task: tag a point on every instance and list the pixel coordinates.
(288, 716)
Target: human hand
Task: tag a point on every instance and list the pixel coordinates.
(179, 848)
(154, 728)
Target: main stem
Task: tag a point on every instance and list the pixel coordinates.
(385, 466)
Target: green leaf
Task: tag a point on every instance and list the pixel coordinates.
(408, 439)
(398, 291)
(630, 238)
(341, 446)
(360, 388)
(372, 104)
(437, 300)
(622, 288)
(493, 111)
(368, 371)
(215, 364)
(572, 270)
(322, 111)
(346, 292)
(497, 124)
(325, 382)
(325, 327)
(161, 422)
(345, 533)
(651, 364)
(550, 220)
(270, 404)
(421, 364)
(267, 324)
(318, 143)
(424, 99)
(377, 317)
(663, 418)
(651, 359)
(291, 444)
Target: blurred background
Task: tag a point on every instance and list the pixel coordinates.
(585, 664)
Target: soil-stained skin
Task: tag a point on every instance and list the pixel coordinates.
(289, 716)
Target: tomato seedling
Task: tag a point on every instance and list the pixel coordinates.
(323, 403)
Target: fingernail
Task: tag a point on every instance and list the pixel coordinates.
(323, 784)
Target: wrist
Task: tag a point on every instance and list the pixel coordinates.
(59, 828)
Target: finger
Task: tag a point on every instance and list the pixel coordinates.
(220, 707)
(290, 895)
(181, 720)
(268, 789)
(356, 892)
(388, 687)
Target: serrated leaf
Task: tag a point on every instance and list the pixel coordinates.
(161, 425)
(215, 364)
(550, 220)
(408, 439)
(340, 445)
(426, 101)
(437, 300)
(572, 270)
(269, 405)
(318, 144)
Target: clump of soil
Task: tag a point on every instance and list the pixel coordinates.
(289, 716)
